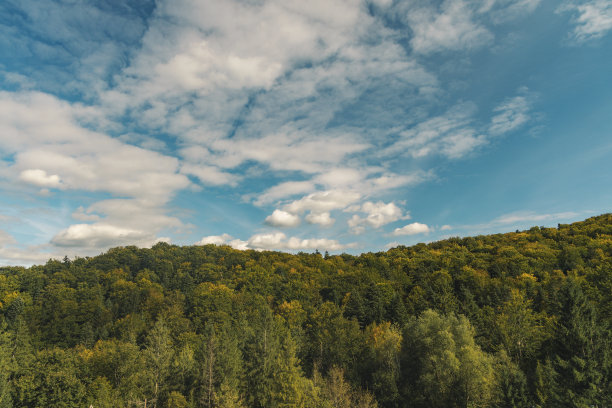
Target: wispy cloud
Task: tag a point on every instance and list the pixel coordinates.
(451, 27)
(592, 19)
(511, 114)
(518, 219)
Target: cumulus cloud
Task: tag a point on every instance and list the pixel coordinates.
(412, 229)
(323, 219)
(279, 241)
(280, 218)
(40, 178)
(378, 214)
(593, 19)
(51, 149)
(275, 241)
(215, 239)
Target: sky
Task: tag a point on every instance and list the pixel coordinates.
(331, 125)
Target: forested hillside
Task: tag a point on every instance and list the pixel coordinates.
(510, 320)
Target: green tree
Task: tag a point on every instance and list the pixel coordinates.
(511, 384)
(442, 366)
(384, 343)
(52, 381)
(582, 352)
(159, 354)
(6, 399)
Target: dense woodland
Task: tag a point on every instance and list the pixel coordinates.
(510, 320)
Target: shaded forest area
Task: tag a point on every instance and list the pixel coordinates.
(509, 320)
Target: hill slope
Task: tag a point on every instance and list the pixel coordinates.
(518, 319)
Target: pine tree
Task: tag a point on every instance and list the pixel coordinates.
(581, 350)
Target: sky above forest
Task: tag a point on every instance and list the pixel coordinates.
(330, 125)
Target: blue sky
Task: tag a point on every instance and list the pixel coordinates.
(342, 125)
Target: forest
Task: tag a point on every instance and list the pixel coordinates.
(519, 319)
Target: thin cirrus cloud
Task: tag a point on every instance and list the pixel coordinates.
(592, 19)
(186, 119)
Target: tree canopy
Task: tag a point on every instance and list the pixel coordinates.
(520, 319)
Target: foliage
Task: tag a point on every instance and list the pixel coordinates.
(509, 320)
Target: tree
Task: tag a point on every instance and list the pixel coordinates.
(442, 366)
(521, 330)
(384, 343)
(158, 355)
(511, 384)
(6, 399)
(274, 375)
(581, 350)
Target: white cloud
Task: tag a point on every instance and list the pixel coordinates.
(594, 19)
(215, 239)
(500, 11)
(341, 177)
(224, 239)
(85, 215)
(523, 217)
(450, 28)
(275, 241)
(40, 178)
(378, 214)
(279, 241)
(451, 134)
(511, 114)
(283, 190)
(446, 228)
(52, 149)
(323, 219)
(412, 229)
(280, 218)
(286, 151)
(100, 236)
(323, 201)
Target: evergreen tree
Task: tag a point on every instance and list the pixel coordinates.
(581, 350)
(511, 384)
